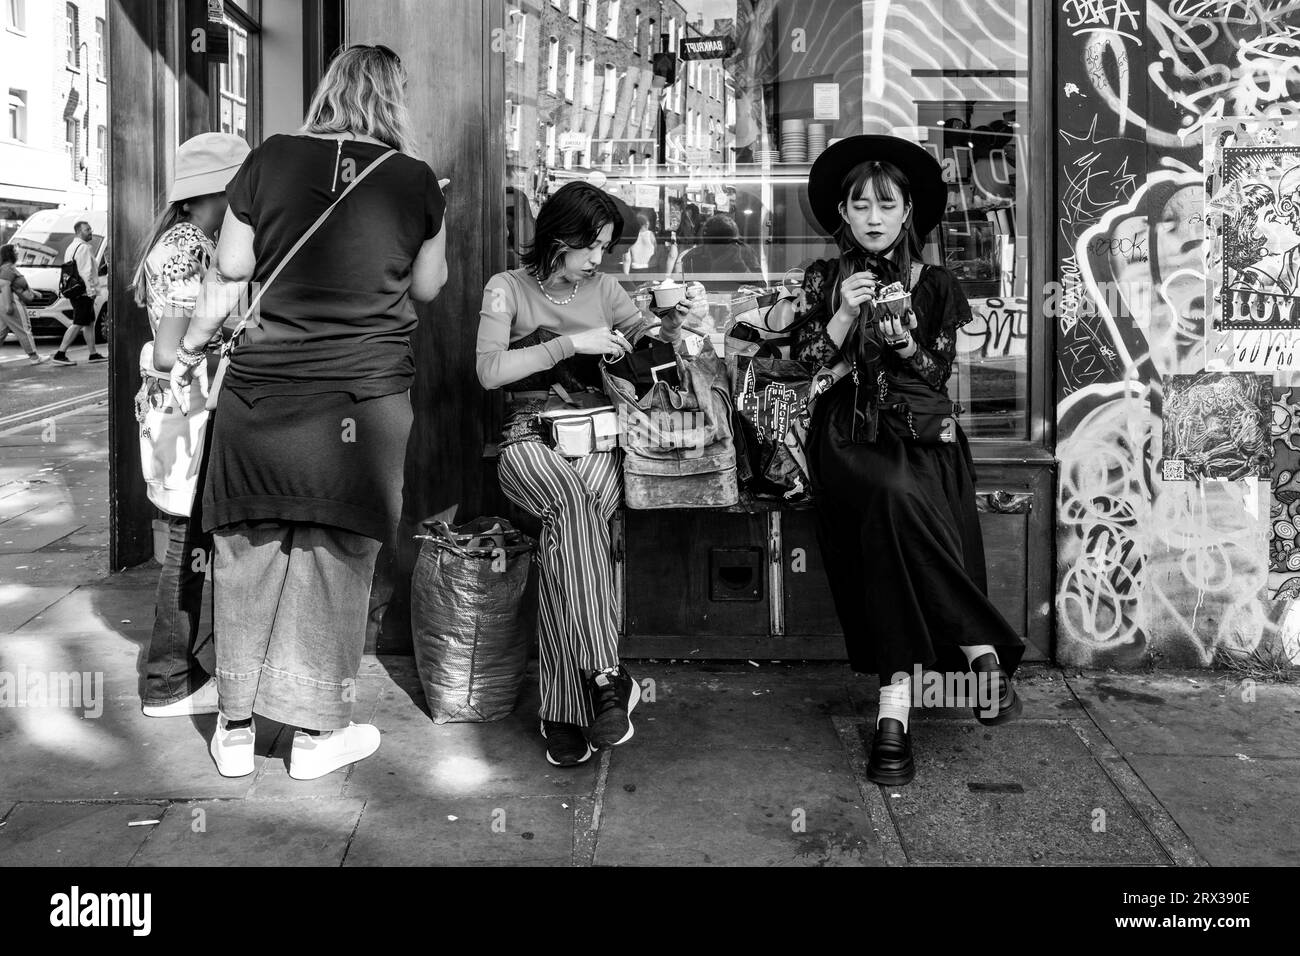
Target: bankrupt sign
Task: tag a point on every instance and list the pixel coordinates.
(707, 48)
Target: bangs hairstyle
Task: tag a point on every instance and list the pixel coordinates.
(570, 219)
(882, 181)
(362, 92)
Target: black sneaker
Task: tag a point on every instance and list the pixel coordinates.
(61, 359)
(565, 744)
(97, 357)
(613, 697)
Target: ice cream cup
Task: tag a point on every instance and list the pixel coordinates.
(666, 296)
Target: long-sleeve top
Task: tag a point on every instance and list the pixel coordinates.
(515, 308)
(940, 307)
(79, 251)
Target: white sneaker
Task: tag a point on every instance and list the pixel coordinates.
(202, 701)
(233, 749)
(38, 359)
(314, 757)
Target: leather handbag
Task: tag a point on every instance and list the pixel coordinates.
(649, 363)
(229, 345)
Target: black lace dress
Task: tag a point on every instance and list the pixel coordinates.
(897, 522)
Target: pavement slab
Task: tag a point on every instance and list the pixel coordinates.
(236, 832)
(75, 834)
(1026, 793)
(445, 831)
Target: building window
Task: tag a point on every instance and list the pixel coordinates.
(516, 113)
(553, 65)
(610, 92)
(588, 82)
(73, 33)
(592, 14)
(17, 128)
(635, 38)
(573, 9)
(16, 15)
(570, 59)
(611, 25)
(101, 153)
(101, 48)
(650, 39)
(550, 144)
(70, 144)
(521, 34)
(234, 85)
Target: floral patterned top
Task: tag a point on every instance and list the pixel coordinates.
(941, 309)
(174, 271)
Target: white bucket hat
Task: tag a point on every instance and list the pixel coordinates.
(206, 164)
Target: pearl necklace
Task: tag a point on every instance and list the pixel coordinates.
(577, 285)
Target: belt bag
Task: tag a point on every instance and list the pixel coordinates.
(579, 424)
(917, 412)
(229, 347)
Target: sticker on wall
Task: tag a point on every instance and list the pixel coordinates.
(1259, 201)
(1216, 426)
(1283, 540)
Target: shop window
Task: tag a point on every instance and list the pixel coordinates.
(16, 15)
(17, 128)
(101, 48)
(735, 137)
(72, 31)
(237, 82)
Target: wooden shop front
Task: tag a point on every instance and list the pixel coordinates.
(692, 112)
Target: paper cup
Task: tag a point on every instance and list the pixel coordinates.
(669, 297)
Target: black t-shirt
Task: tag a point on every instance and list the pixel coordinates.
(339, 317)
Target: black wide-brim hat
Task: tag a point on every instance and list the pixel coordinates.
(923, 172)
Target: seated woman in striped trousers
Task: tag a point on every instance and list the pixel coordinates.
(544, 324)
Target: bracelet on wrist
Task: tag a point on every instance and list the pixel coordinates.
(189, 357)
(899, 345)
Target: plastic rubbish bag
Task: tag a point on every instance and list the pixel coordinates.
(466, 595)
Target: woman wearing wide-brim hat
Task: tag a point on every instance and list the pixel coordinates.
(892, 475)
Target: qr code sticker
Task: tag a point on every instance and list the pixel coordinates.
(1173, 469)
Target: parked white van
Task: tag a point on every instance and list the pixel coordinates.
(40, 243)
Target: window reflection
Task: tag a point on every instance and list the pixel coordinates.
(705, 115)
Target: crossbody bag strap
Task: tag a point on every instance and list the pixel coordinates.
(302, 241)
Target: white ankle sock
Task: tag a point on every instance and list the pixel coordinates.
(896, 701)
(975, 651)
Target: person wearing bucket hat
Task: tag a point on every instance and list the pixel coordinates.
(892, 476)
(174, 259)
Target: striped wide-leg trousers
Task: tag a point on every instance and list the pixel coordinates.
(577, 630)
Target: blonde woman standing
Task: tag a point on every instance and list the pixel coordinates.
(305, 480)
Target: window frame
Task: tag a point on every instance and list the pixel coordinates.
(251, 101)
(72, 35)
(12, 23)
(16, 114)
(101, 48)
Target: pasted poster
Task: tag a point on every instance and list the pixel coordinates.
(1216, 425)
(1284, 517)
(1260, 202)
(1252, 252)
